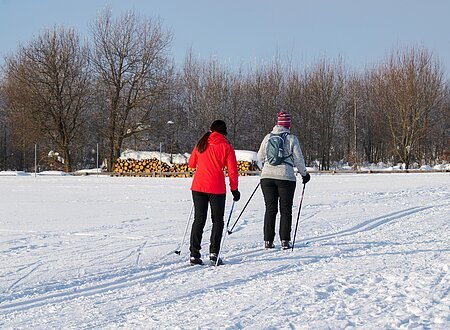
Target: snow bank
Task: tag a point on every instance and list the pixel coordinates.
(241, 155)
(43, 173)
(246, 156)
(165, 157)
(426, 168)
(140, 155)
(442, 167)
(53, 173)
(13, 173)
(89, 171)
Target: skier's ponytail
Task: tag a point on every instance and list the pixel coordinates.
(202, 144)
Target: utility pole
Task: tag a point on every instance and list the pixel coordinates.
(97, 160)
(355, 137)
(5, 150)
(35, 159)
(171, 130)
(160, 159)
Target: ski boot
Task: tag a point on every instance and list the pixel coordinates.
(195, 261)
(269, 245)
(285, 245)
(213, 258)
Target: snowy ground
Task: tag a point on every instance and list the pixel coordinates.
(98, 252)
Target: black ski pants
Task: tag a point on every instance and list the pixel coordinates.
(201, 201)
(282, 192)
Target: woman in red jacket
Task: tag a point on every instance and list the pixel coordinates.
(212, 153)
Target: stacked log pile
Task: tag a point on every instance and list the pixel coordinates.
(154, 167)
(133, 166)
(245, 167)
(182, 170)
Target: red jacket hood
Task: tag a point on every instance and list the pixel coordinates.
(216, 138)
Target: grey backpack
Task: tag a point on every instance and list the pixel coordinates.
(275, 149)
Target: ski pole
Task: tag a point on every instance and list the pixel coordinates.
(239, 216)
(298, 215)
(185, 231)
(225, 234)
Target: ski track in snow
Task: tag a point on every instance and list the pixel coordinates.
(378, 256)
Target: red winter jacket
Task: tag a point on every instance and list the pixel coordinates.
(209, 176)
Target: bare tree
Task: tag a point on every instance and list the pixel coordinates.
(374, 133)
(48, 86)
(296, 103)
(208, 94)
(192, 98)
(3, 130)
(324, 97)
(409, 87)
(436, 144)
(265, 99)
(133, 69)
(237, 114)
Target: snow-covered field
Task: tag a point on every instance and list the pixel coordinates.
(98, 252)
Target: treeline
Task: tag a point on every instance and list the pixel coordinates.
(120, 89)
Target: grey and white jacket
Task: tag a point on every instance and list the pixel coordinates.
(283, 171)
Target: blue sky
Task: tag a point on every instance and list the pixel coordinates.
(249, 32)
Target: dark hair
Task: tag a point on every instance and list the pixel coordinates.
(218, 126)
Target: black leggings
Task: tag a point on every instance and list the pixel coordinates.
(274, 191)
(201, 201)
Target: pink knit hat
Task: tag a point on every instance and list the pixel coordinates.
(284, 119)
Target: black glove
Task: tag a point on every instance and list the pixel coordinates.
(306, 178)
(236, 195)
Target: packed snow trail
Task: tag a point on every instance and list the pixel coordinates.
(99, 253)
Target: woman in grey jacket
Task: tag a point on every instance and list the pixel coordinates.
(278, 181)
